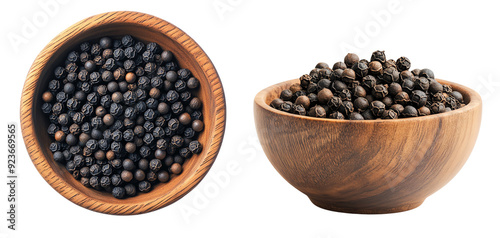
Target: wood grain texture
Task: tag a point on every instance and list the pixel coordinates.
(146, 28)
(376, 166)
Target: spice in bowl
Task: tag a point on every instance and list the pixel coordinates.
(123, 115)
(358, 89)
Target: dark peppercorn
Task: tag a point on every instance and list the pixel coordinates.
(118, 192)
(426, 73)
(389, 114)
(419, 98)
(422, 83)
(409, 111)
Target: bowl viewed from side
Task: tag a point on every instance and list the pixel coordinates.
(146, 28)
(371, 166)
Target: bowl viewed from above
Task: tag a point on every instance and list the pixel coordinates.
(145, 28)
(371, 166)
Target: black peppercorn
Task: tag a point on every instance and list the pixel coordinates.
(426, 73)
(118, 192)
(422, 83)
(403, 63)
(389, 114)
(419, 98)
(95, 170)
(361, 104)
(458, 96)
(360, 68)
(356, 116)
(409, 111)
(286, 95)
(379, 91)
(378, 56)
(377, 108)
(390, 75)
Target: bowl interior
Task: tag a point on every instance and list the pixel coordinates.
(145, 34)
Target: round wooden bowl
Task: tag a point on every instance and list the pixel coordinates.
(146, 28)
(372, 166)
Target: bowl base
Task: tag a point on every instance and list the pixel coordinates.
(332, 206)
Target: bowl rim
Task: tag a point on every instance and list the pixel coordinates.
(475, 101)
(73, 194)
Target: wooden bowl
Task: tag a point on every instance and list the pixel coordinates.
(146, 28)
(373, 166)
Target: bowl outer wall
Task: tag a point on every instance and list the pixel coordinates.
(146, 28)
(372, 164)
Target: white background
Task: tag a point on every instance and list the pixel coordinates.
(254, 44)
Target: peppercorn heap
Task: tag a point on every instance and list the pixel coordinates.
(123, 115)
(360, 90)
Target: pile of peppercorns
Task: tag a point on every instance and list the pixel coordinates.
(361, 90)
(123, 115)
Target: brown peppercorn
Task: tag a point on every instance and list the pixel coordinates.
(402, 98)
(317, 111)
(100, 111)
(83, 138)
(359, 91)
(176, 168)
(394, 89)
(406, 74)
(348, 76)
(387, 101)
(339, 65)
(108, 120)
(117, 97)
(130, 147)
(424, 111)
(126, 176)
(102, 90)
(99, 155)
(398, 108)
(361, 104)
(110, 155)
(132, 87)
(197, 125)
(130, 77)
(276, 103)
(163, 176)
(295, 87)
(304, 101)
(185, 118)
(160, 154)
(389, 114)
(154, 93)
(107, 53)
(119, 73)
(60, 136)
(337, 115)
(324, 95)
(376, 68)
(47, 96)
(350, 59)
(74, 129)
(163, 108)
(195, 103)
(139, 175)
